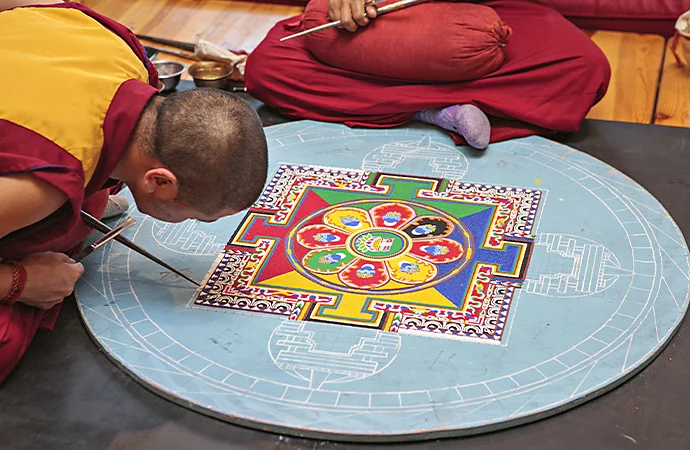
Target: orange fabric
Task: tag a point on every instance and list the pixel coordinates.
(67, 107)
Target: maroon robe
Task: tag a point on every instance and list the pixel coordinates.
(25, 151)
(552, 75)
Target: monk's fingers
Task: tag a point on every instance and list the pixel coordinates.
(371, 12)
(334, 10)
(346, 17)
(358, 13)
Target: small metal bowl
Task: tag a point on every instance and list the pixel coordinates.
(151, 52)
(210, 74)
(169, 72)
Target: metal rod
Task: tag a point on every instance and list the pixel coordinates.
(104, 239)
(103, 228)
(379, 11)
(185, 55)
(177, 44)
(116, 231)
(311, 30)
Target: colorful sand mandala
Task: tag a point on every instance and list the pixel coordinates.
(390, 286)
(391, 252)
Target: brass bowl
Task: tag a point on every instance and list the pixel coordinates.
(169, 73)
(210, 74)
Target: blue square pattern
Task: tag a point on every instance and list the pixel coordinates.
(551, 368)
(323, 398)
(175, 352)
(415, 399)
(120, 288)
(385, 400)
(607, 334)
(269, 389)
(146, 328)
(474, 391)
(643, 283)
(502, 385)
(159, 341)
(354, 400)
(643, 254)
(216, 372)
(195, 363)
(637, 297)
(124, 301)
(528, 377)
(592, 346)
(620, 322)
(647, 268)
(443, 396)
(634, 228)
(134, 315)
(287, 140)
(639, 241)
(239, 381)
(572, 358)
(297, 394)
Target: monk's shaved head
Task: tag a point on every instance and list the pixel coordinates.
(215, 145)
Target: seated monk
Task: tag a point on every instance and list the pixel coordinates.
(79, 113)
(550, 76)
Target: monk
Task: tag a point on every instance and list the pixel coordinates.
(79, 113)
(551, 77)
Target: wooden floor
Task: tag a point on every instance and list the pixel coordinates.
(647, 86)
(232, 24)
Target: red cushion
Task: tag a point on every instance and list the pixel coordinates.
(436, 45)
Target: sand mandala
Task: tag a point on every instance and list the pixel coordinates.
(388, 285)
(389, 252)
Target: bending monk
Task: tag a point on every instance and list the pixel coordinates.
(550, 78)
(80, 112)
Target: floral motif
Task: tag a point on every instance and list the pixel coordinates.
(372, 248)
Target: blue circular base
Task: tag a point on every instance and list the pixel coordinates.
(577, 279)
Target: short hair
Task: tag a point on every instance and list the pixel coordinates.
(214, 143)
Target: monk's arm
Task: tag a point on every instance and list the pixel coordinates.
(25, 200)
(9, 4)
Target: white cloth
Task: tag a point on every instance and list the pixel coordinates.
(206, 50)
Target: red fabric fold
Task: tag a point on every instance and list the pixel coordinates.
(551, 77)
(430, 42)
(22, 151)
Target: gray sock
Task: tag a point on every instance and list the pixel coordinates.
(466, 120)
(117, 205)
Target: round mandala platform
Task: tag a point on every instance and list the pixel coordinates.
(388, 285)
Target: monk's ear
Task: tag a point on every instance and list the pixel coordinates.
(161, 183)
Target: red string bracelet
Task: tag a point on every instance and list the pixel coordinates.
(18, 283)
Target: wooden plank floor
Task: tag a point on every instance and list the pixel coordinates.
(673, 105)
(232, 24)
(636, 60)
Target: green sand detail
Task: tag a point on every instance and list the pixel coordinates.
(401, 190)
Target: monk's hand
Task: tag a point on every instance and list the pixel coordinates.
(50, 277)
(352, 13)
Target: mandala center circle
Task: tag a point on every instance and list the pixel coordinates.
(376, 244)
